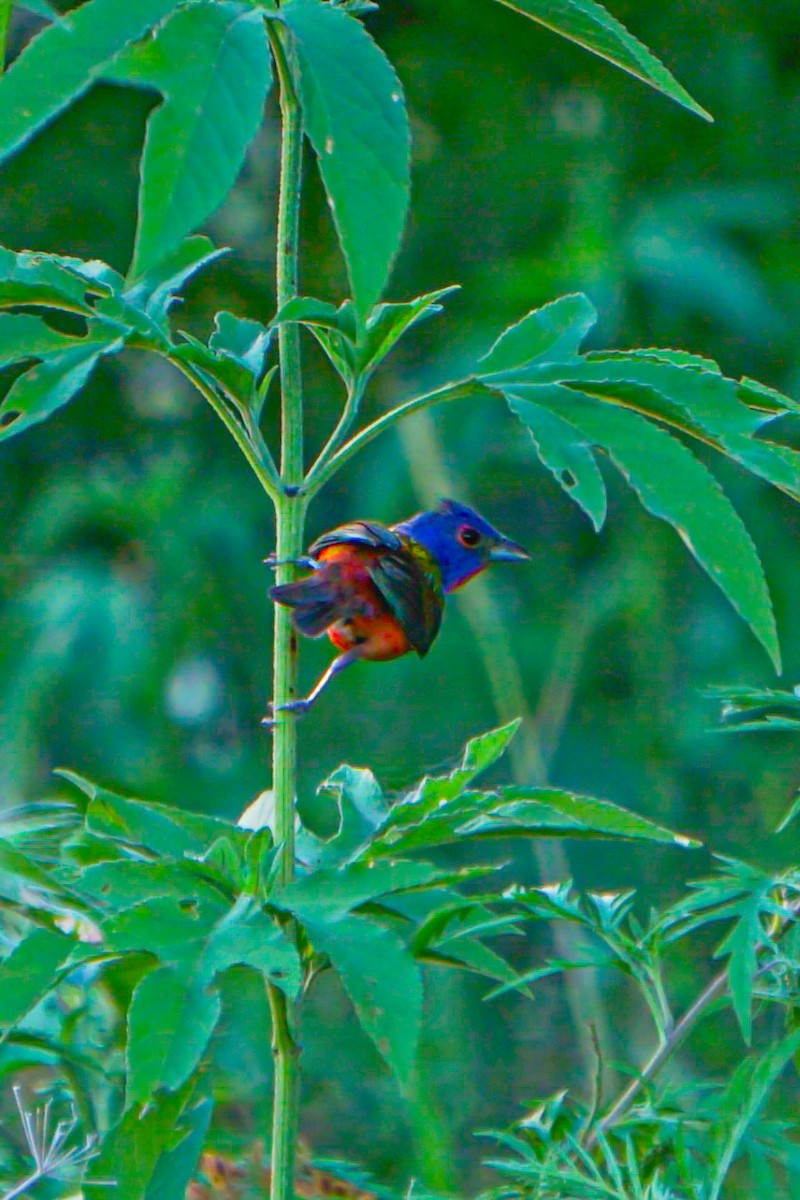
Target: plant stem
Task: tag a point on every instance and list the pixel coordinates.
(286, 1055)
(290, 509)
(670, 1044)
(256, 452)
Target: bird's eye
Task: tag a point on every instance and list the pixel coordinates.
(468, 536)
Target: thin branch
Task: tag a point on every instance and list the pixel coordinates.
(320, 473)
(349, 413)
(258, 456)
(674, 1038)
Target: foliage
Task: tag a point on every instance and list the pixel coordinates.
(163, 908)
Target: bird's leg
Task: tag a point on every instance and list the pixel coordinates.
(302, 706)
(310, 564)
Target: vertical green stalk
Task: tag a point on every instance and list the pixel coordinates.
(290, 507)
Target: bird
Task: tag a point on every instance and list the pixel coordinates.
(378, 591)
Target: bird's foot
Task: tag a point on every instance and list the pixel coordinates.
(274, 562)
(299, 707)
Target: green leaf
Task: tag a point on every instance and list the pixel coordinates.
(245, 341)
(65, 59)
(530, 812)
(28, 277)
(361, 808)
(212, 65)
(257, 942)
(20, 875)
(757, 710)
(154, 292)
(306, 310)
(739, 1105)
(170, 1022)
(24, 337)
(592, 26)
(133, 1149)
(331, 894)
(119, 885)
(554, 331)
(172, 928)
(690, 394)
(673, 485)
(175, 1168)
(162, 830)
(29, 972)
(51, 384)
(334, 328)
(383, 981)
(355, 117)
(387, 323)
(433, 793)
(566, 452)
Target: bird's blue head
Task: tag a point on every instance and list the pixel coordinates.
(461, 541)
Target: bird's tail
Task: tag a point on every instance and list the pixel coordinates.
(314, 602)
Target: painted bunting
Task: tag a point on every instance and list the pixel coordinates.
(379, 592)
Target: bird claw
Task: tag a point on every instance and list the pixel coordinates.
(274, 562)
(299, 707)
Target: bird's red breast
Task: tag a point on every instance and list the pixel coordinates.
(366, 621)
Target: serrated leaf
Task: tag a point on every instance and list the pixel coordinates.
(132, 1149)
(566, 452)
(174, 1170)
(256, 942)
(162, 830)
(532, 812)
(212, 65)
(154, 292)
(739, 1105)
(29, 277)
(173, 929)
(216, 368)
(701, 402)
(432, 794)
(29, 972)
(382, 980)
(387, 323)
(757, 710)
(23, 336)
(245, 341)
(360, 806)
(673, 485)
(329, 894)
(65, 59)
(593, 27)
(307, 310)
(554, 331)
(355, 117)
(51, 384)
(118, 885)
(170, 1022)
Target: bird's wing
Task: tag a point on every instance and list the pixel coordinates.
(359, 533)
(410, 583)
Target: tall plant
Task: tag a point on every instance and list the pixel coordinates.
(179, 897)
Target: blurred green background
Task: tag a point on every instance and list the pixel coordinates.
(135, 623)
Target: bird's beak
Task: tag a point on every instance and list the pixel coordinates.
(508, 551)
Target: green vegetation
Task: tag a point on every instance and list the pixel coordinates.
(187, 980)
